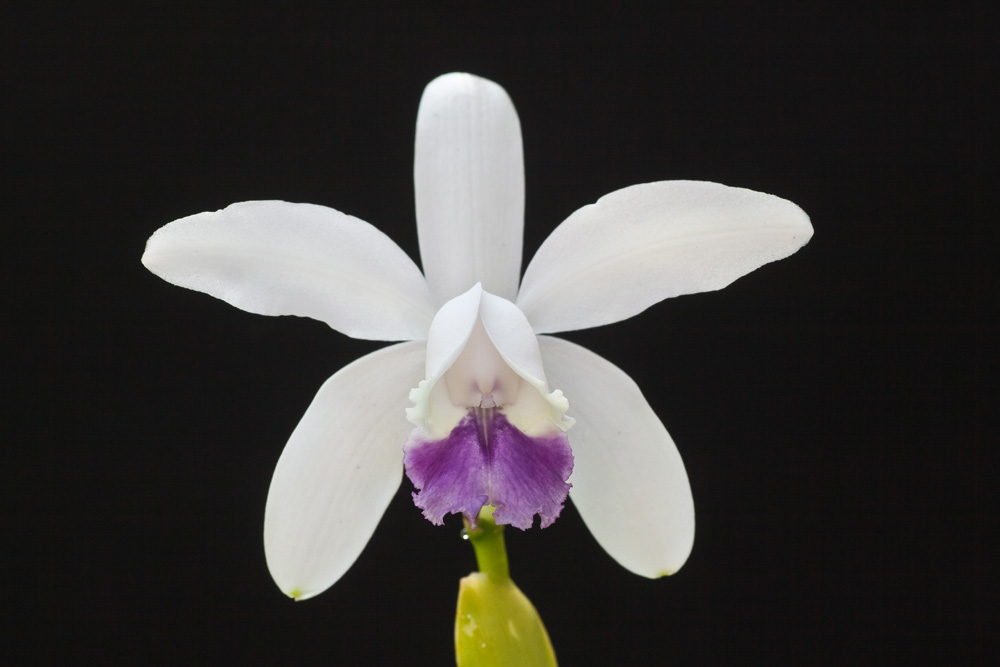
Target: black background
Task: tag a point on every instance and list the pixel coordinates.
(832, 408)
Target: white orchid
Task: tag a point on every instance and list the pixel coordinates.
(487, 419)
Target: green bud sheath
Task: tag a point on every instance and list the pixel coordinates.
(496, 625)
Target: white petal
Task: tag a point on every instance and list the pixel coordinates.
(629, 482)
(339, 470)
(276, 258)
(469, 178)
(611, 260)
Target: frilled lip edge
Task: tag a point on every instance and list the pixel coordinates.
(487, 460)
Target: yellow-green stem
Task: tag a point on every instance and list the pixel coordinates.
(488, 543)
(495, 623)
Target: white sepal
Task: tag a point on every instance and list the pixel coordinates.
(339, 470)
(469, 178)
(629, 482)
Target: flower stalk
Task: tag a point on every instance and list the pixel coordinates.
(488, 542)
(496, 625)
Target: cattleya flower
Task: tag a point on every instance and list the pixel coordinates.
(479, 405)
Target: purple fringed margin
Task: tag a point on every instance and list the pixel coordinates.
(486, 459)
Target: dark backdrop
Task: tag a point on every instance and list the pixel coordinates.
(831, 408)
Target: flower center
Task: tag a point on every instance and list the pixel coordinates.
(488, 430)
(480, 377)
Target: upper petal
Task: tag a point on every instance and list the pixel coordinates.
(276, 258)
(629, 482)
(339, 470)
(611, 260)
(468, 174)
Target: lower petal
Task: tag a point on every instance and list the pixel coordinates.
(487, 460)
(629, 482)
(339, 471)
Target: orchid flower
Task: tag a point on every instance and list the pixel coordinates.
(480, 406)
